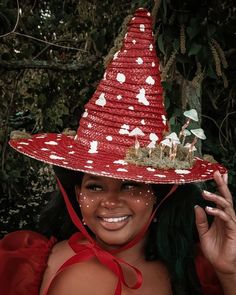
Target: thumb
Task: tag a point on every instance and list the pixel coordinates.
(201, 221)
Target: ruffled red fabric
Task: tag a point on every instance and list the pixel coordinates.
(23, 260)
(208, 279)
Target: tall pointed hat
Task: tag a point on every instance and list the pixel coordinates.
(125, 115)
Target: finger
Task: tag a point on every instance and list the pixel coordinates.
(220, 202)
(225, 178)
(222, 186)
(216, 212)
(201, 221)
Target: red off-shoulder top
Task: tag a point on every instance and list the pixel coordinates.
(24, 256)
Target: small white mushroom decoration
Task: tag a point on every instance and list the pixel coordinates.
(199, 133)
(163, 144)
(175, 141)
(173, 138)
(166, 142)
(186, 133)
(136, 132)
(190, 148)
(154, 138)
(190, 115)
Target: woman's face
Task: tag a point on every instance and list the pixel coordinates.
(115, 210)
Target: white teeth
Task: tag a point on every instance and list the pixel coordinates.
(115, 219)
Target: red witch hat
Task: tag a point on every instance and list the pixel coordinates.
(127, 109)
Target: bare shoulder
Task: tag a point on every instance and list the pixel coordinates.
(59, 254)
(84, 278)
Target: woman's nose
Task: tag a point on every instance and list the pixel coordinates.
(111, 200)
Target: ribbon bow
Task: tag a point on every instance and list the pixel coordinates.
(89, 249)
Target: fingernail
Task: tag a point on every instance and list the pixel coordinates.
(218, 173)
(209, 208)
(225, 178)
(207, 193)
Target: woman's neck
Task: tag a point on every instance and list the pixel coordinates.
(132, 255)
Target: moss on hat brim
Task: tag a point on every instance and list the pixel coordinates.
(158, 157)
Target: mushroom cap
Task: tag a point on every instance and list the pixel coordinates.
(153, 137)
(166, 142)
(151, 145)
(173, 137)
(136, 131)
(188, 145)
(186, 132)
(199, 133)
(191, 114)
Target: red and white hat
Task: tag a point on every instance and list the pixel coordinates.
(128, 98)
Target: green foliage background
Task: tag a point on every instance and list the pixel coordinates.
(51, 60)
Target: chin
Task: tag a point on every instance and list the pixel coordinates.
(112, 241)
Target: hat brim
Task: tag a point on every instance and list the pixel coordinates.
(62, 150)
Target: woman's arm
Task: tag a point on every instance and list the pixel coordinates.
(218, 241)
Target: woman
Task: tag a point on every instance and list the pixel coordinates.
(131, 169)
(170, 244)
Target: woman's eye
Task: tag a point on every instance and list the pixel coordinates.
(94, 187)
(129, 186)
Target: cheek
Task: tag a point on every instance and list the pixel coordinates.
(86, 202)
(144, 199)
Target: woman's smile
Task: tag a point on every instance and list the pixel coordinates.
(114, 223)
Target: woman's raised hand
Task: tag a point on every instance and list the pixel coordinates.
(218, 240)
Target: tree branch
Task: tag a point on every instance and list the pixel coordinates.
(43, 64)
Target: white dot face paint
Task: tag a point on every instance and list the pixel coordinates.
(102, 197)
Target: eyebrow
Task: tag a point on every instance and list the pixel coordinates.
(92, 177)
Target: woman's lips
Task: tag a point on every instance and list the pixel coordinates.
(114, 223)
